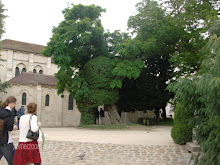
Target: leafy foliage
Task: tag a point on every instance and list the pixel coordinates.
(154, 42)
(98, 75)
(194, 17)
(115, 41)
(3, 86)
(2, 17)
(149, 90)
(79, 38)
(202, 94)
(209, 87)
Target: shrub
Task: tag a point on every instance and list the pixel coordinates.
(182, 130)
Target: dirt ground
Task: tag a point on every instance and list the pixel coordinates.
(141, 135)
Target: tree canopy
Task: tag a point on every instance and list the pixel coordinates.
(195, 18)
(155, 39)
(168, 37)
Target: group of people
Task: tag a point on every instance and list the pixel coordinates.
(18, 113)
(99, 114)
(27, 151)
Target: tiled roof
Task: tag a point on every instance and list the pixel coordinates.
(21, 46)
(31, 78)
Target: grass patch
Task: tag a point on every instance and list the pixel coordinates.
(166, 123)
(104, 127)
(133, 124)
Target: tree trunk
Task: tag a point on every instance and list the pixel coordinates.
(114, 117)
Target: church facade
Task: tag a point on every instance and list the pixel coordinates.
(32, 79)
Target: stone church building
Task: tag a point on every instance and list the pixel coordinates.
(32, 80)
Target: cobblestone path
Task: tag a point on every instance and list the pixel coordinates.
(64, 153)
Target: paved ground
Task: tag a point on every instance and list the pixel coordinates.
(145, 146)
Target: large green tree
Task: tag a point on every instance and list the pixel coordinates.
(90, 66)
(77, 39)
(155, 39)
(175, 35)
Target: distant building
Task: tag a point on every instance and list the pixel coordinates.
(32, 80)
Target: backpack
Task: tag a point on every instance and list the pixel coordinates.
(1, 125)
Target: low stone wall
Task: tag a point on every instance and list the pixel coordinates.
(134, 116)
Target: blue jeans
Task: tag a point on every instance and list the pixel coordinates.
(8, 152)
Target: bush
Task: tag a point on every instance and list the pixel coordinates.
(167, 122)
(182, 130)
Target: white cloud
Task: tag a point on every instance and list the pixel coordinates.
(32, 20)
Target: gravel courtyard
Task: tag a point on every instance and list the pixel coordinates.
(150, 145)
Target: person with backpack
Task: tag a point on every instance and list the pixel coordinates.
(7, 148)
(20, 112)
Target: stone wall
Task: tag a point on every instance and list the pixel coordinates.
(70, 117)
(56, 114)
(134, 116)
(26, 60)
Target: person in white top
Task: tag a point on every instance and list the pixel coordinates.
(27, 151)
(7, 148)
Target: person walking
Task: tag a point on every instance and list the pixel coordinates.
(97, 117)
(27, 151)
(7, 148)
(102, 115)
(14, 110)
(20, 112)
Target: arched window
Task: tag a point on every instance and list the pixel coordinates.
(17, 71)
(24, 98)
(23, 70)
(47, 100)
(70, 104)
(40, 72)
(34, 71)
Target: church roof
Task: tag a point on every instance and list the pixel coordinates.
(31, 78)
(21, 46)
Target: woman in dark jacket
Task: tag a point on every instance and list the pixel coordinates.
(7, 148)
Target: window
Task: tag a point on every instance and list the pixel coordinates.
(23, 70)
(17, 71)
(24, 98)
(47, 100)
(70, 105)
(40, 72)
(34, 71)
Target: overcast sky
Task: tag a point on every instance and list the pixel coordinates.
(32, 20)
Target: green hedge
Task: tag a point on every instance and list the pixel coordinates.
(182, 130)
